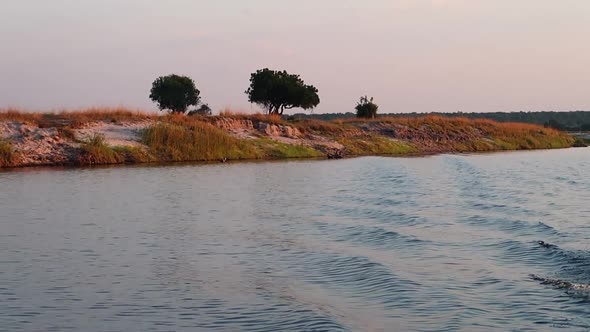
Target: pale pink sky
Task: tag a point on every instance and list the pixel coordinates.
(411, 55)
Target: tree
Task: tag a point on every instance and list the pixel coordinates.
(175, 93)
(365, 108)
(279, 90)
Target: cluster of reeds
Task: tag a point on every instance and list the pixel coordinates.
(7, 154)
(195, 141)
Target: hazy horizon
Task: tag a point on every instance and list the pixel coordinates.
(411, 55)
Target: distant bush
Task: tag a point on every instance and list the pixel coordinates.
(554, 124)
(203, 110)
(365, 108)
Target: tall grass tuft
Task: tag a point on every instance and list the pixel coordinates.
(96, 151)
(75, 118)
(135, 154)
(7, 154)
(189, 140)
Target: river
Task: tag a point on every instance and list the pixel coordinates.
(440, 243)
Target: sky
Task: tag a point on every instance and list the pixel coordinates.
(410, 55)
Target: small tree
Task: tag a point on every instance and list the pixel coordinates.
(365, 108)
(175, 93)
(276, 91)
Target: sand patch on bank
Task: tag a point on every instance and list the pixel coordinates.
(115, 134)
(48, 146)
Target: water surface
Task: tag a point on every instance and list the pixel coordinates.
(441, 243)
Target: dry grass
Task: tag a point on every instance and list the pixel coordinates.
(76, 118)
(257, 117)
(321, 127)
(463, 135)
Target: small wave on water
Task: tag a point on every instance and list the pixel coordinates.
(372, 236)
(575, 262)
(573, 271)
(445, 243)
(510, 225)
(359, 277)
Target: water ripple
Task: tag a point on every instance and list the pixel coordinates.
(493, 242)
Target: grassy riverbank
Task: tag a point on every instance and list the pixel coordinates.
(111, 136)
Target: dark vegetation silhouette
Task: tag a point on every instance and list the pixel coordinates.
(569, 121)
(277, 91)
(203, 110)
(174, 93)
(366, 108)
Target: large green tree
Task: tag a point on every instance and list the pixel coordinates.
(175, 93)
(277, 91)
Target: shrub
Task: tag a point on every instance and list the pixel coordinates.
(203, 110)
(365, 108)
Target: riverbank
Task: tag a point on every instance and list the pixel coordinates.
(117, 136)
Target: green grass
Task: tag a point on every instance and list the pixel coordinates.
(533, 141)
(7, 154)
(95, 150)
(195, 141)
(581, 142)
(279, 150)
(134, 154)
(376, 144)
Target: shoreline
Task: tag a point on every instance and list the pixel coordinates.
(257, 161)
(120, 136)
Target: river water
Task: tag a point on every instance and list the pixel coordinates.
(439, 243)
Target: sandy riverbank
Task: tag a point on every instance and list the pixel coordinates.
(123, 136)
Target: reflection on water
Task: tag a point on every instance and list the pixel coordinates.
(442, 243)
